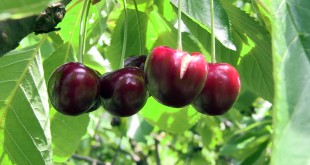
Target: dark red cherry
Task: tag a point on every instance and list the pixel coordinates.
(136, 61)
(124, 91)
(95, 106)
(73, 88)
(174, 77)
(220, 91)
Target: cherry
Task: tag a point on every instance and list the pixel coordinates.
(123, 91)
(220, 91)
(73, 88)
(116, 121)
(95, 106)
(174, 77)
(136, 61)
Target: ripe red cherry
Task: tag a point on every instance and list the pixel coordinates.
(220, 91)
(124, 91)
(174, 77)
(95, 106)
(73, 88)
(136, 61)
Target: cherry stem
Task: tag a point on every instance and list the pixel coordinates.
(83, 27)
(263, 6)
(213, 58)
(179, 25)
(139, 28)
(121, 65)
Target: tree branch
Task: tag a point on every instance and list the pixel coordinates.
(139, 156)
(12, 31)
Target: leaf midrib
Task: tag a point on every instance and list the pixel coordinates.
(18, 82)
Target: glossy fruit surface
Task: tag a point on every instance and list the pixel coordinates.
(124, 91)
(174, 77)
(220, 91)
(136, 61)
(73, 88)
(95, 106)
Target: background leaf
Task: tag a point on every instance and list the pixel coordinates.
(67, 132)
(22, 8)
(24, 122)
(244, 144)
(256, 62)
(199, 12)
(142, 5)
(62, 55)
(173, 120)
(70, 25)
(114, 51)
(291, 115)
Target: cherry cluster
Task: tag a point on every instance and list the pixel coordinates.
(174, 78)
(75, 89)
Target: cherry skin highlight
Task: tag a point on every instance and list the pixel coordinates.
(220, 91)
(174, 77)
(73, 88)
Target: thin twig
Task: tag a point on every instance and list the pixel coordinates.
(213, 58)
(157, 157)
(180, 25)
(139, 28)
(121, 65)
(263, 6)
(139, 156)
(83, 28)
(88, 159)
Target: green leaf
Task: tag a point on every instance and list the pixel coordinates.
(242, 145)
(253, 55)
(210, 131)
(22, 8)
(142, 5)
(197, 158)
(199, 12)
(291, 57)
(165, 9)
(24, 122)
(67, 132)
(62, 55)
(56, 39)
(173, 120)
(97, 24)
(160, 32)
(114, 51)
(245, 102)
(70, 26)
(258, 157)
(155, 31)
(138, 129)
(256, 57)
